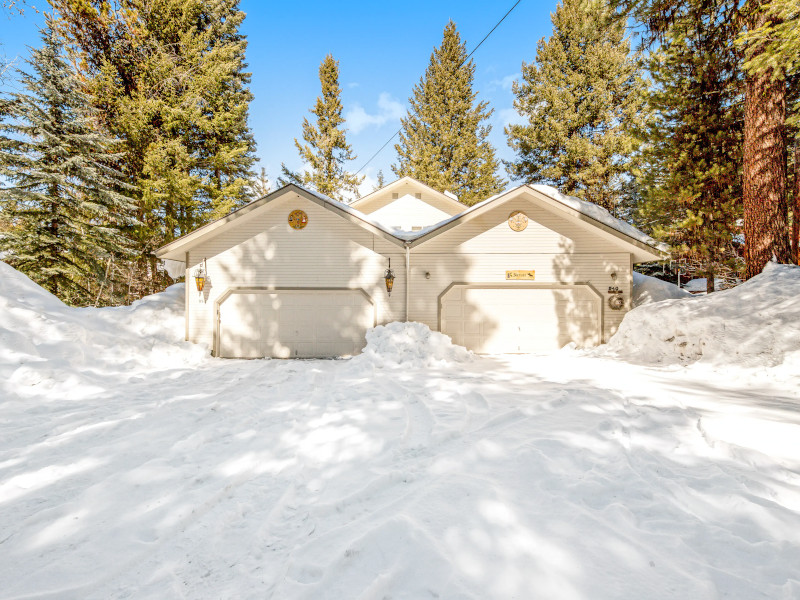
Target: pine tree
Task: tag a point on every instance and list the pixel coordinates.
(583, 99)
(67, 202)
(169, 79)
(260, 185)
(380, 181)
(693, 177)
(764, 144)
(326, 149)
(443, 138)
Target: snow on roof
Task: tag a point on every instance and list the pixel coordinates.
(598, 213)
(357, 214)
(586, 208)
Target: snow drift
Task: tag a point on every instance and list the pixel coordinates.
(48, 344)
(756, 324)
(410, 345)
(647, 290)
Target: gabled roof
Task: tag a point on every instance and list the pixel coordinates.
(647, 249)
(413, 182)
(643, 247)
(175, 250)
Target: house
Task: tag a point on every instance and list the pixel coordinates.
(297, 274)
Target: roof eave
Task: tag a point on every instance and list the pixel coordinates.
(644, 252)
(176, 249)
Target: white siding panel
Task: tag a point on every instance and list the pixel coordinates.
(265, 252)
(407, 212)
(520, 319)
(546, 232)
(446, 269)
(380, 200)
(294, 323)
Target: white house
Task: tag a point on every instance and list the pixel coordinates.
(297, 274)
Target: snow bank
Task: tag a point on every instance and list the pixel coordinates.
(47, 345)
(756, 324)
(647, 290)
(410, 345)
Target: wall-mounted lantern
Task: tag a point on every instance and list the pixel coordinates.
(200, 276)
(388, 277)
(614, 289)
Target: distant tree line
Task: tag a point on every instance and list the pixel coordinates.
(134, 129)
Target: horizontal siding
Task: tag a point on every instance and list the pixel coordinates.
(265, 251)
(407, 213)
(445, 269)
(331, 252)
(547, 232)
(381, 200)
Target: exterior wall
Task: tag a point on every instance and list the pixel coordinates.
(482, 250)
(408, 213)
(381, 199)
(265, 252)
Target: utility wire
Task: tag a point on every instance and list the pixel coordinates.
(371, 158)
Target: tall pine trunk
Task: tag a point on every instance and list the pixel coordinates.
(764, 172)
(796, 207)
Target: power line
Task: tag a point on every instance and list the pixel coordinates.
(371, 158)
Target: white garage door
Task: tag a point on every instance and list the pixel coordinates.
(294, 323)
(520, 320)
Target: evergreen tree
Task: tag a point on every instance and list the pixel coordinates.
(764, 165)
(583, 99)
(326, 149)
(693, 177)
(260, 186)
(66, 200)
(381, 181)
(443, 138)
(169, 79)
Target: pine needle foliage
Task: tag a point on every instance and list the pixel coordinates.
(326, 150)
(66, 202)
(693, 180)
(170, 80)
(583, 102)
(443, 140)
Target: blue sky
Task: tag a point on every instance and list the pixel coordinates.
(382, 49)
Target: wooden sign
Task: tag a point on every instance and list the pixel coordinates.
(520, 274)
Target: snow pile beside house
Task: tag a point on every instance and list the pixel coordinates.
(756, 324)
(410, 345)
(47, 344)
(647, 290)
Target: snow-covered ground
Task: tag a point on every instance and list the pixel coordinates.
(133, 466)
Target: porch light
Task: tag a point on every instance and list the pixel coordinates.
(200, 277)
(388, 277)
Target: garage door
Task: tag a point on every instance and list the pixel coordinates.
(294, 323)
(493, 320)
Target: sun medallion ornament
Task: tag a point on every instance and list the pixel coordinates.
(298, 219)
(518, 220)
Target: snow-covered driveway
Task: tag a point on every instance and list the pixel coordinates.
(534, 477)
(134, 466)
